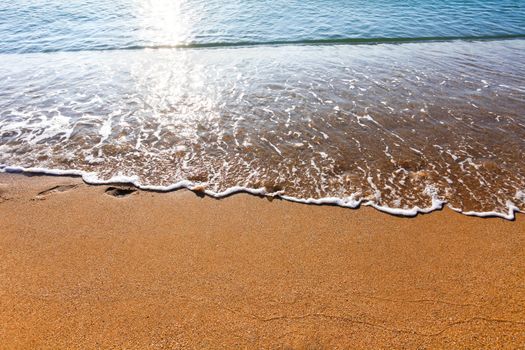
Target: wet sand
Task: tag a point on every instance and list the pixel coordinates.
(84, 268)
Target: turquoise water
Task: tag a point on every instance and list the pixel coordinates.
(273, 97)
(57, 25)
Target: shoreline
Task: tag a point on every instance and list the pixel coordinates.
(91, 180)
(111, 266)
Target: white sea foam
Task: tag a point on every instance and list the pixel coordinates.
(348, 202)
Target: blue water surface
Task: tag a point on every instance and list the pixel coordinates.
(58, 25)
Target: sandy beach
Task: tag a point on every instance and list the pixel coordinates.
(103, 267)
(207, 174)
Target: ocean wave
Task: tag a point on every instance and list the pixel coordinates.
(349, 202)
(310, 42)
(392, 126)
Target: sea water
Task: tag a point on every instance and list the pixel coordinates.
(402, 105)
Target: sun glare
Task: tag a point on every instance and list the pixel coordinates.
(162, 22)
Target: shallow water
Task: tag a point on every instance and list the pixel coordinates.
(397, 126)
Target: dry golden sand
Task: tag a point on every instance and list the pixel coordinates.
(83, 269)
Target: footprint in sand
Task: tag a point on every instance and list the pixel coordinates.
(4, 196)
(120, 192)
(55, 189)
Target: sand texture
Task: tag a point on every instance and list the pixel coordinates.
(85, 267)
